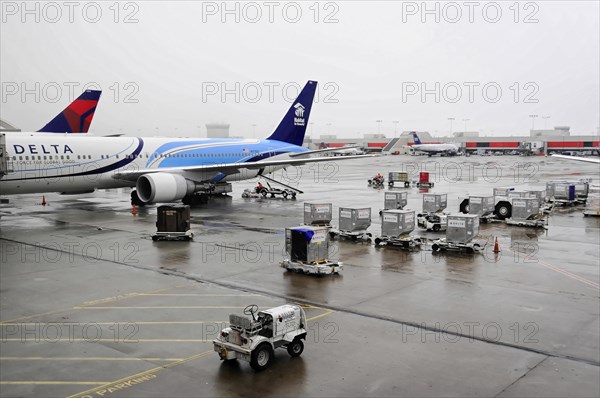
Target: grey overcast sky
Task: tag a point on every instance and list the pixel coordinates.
(164, 65)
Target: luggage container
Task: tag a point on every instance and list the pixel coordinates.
(396, 225)
(502, 191)
(556, 191)
(353, 223)
(399, 179)
(564, 192)
(173, 223)
(318, 213)
(395, 200)
(592, 205)
(424, 180)
(525, 208)
(434, 202)
(397, 222)
(483, 206)
(539, 194)
(308, 251)
(462, 228)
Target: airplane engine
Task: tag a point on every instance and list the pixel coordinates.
(163, 187)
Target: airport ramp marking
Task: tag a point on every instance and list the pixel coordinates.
(111, 299)
(562, 271)
(148, 372)
(171, 307)
(172, 364)
(35, 339)
(34, 382)
(25, 324)
(87, 359)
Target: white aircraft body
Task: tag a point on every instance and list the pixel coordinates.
(161, 169)
(449, 149)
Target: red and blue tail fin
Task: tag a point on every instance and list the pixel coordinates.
(293, 125)
(416, 138)
(77, 117)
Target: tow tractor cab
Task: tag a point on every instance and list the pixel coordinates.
(254, 339)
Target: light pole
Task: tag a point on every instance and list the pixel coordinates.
(533, 121)
(378, 126)
(545, 121)
(451, 120)
(466, 120)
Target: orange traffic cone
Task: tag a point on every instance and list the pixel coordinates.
(43, 200)
(134, 210)
(496, 246)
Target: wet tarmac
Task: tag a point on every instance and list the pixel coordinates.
(91, 306)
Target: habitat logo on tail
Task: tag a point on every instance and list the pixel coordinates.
(293, 125)
(77, 117)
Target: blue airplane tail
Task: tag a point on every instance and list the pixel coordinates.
(292, 127)
(416, 138)
(77, 117)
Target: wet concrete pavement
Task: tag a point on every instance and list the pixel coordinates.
(91, 306)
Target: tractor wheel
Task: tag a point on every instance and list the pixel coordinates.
(377, 241)
(464, 206)
(261, 357)
(435, 247)
(295, 348)
(436, 228)
(503, 210)
(263, 192)
(284, 194)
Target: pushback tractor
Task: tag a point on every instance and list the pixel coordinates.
(433, 218)
(255, 338)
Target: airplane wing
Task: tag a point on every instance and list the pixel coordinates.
(231, 168)
(295, 155)
(577, 158)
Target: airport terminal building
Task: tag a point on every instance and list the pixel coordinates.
(557, 140)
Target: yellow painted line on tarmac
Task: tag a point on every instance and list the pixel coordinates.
(79, 383)
(560, 271)
(329, 312)
(198, 295)
(171, 307)
(87, 359)
(83, 323)
(123, 382)
(124, 341)
(110, 299)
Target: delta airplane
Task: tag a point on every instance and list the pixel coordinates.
(430, 149)
(161, 169)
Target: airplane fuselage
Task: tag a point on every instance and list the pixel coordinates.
(40, 163)
(435, 148)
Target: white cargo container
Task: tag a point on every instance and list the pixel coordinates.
(318, 213)
(462, 228)
(433, 202)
